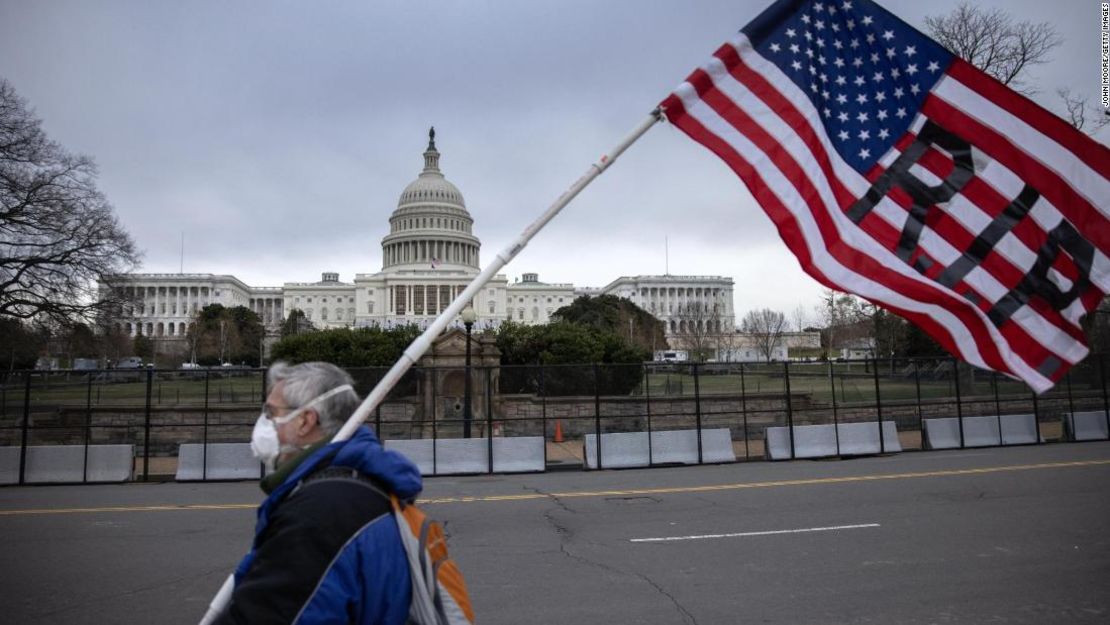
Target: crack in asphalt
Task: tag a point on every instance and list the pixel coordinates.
(566, 534)
(84, 604)
(686, 616)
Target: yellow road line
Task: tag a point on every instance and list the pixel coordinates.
(608, 493)
(228, 506)
(805, 482)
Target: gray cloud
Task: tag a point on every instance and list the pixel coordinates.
(277, 136)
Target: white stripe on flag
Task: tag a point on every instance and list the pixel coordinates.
(1037, 146)
(857, 185)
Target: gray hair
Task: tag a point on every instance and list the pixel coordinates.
(304, 382)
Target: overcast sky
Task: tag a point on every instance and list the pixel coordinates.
(277, 136)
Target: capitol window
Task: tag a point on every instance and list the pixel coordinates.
(338, 313)
(323, 314)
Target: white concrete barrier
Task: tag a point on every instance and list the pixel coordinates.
(821, 441)
(454, 456)
(623, 450)
(1086, 426)
(862, 439)
(982, 431)
(619, 450)
(66, 464)
(224, 461)
(810, 441)
(1019, 429)
(681, 446)
(9, 465)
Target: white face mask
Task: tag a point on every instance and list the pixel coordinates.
(265, 443)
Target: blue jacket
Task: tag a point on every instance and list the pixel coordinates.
(326, 546)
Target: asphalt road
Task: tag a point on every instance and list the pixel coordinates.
(1014, 535)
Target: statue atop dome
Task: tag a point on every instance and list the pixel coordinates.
(431, 138)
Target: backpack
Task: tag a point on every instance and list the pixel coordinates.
(439, 594)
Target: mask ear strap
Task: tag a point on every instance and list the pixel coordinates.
(335, 391)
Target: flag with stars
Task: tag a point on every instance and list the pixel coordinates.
(900, 173)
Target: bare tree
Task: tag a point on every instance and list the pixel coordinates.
(800, 318)
(58, 234)
(1081, 114)
(992, 41)
(847, 319)
(766, 328)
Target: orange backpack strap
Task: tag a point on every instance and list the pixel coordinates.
(439, 594)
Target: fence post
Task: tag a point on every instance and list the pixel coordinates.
(920, 414)
(1036, 418)
(879, 409)
(489, 415)
(697, 409)
(1105, 400)
(959, 407)
(789, 408)
(836, 417)
(435, 428)
(26, 423)
(1071, 402)
(997, 405)
(204, 436)
(146, 425)
(597, 414)
(543, 415)
(88, 429)
(647, 409)
(744, 413)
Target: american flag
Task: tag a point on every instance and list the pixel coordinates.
(900, 173)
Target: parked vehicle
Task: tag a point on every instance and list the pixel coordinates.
(130, 362)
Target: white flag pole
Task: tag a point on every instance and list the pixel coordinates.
(420, 345)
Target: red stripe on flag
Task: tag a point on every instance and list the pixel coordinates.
(1070, 203)
(1095, 155)
(874, 269)
(787, 226)
(1020, 341)
(956, 234)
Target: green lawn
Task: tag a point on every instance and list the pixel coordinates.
(130, 388)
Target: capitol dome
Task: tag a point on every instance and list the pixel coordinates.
(431, 227)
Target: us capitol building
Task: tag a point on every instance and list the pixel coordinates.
(428, 257)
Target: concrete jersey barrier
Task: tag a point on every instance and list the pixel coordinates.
(458, 456)
(1086, 426)
(983, 431)
(828, 440)
(224, 461)
(623, 450)
(67, 464)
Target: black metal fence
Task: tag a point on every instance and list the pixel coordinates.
(155, 411)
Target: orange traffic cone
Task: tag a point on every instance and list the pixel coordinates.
(558, 431)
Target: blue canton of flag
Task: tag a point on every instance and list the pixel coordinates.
(866, 71)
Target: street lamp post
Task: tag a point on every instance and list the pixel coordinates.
(468, 317)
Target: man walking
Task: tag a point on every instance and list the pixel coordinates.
(326, 546)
